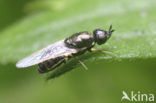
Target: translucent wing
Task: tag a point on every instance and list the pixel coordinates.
(52, 51)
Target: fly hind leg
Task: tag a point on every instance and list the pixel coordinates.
(66, 59)
(83, 65)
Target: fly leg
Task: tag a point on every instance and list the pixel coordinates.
(83, 65)
(65, 59)
(103, 51)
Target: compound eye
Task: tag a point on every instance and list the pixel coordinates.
(100, 36)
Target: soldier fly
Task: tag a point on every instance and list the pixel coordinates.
(55, 54)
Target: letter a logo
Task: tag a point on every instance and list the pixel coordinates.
(125, 96)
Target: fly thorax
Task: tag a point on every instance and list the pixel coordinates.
(80, 40)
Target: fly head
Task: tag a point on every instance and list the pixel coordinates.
(101, 36)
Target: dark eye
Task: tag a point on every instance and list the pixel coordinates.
(100, 36)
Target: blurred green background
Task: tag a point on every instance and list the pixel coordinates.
(29, 25)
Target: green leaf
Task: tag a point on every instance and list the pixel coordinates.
(133, 42)
(134, 24)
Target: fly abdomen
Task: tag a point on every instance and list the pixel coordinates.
(45, 66)
(42, 68)
(50, 64)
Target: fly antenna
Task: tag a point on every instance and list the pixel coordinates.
(110, 29)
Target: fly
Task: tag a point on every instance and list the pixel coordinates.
(55, 54)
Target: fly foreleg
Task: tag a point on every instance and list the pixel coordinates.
(103, 51)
